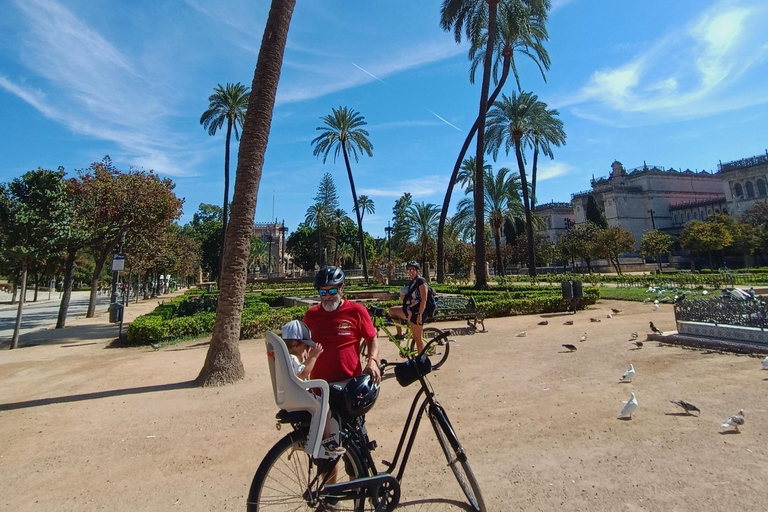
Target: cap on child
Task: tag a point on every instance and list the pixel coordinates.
(298, 330)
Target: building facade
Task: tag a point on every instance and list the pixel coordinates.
(557, 217)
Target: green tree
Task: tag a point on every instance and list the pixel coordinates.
(423, 218)
(401, 229)
(612, 242)
(655, 243)
(327, 194)
(546, 131)
(580, 241)
(338, 217)
(301, 247)
(35, 218)
(704, 237)
(205, 228)
(226, 104)
(594, 213)
(343, 133)
(222, 362)
(317, 218)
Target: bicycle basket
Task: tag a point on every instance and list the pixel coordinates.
(408, 372)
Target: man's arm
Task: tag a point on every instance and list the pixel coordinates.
(372, 366)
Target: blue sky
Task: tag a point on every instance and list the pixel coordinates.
(673, 84)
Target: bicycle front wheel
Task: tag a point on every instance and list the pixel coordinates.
(438, 353)
(288, 479)
(456, 457)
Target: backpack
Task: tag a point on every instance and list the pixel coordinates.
(429, 309)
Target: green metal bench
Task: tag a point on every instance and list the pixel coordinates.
(458, 307)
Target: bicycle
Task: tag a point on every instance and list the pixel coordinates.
(290, 479)
(438, 353)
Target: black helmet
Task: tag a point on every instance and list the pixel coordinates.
(360, 394)
(414, 264)
(329, 276)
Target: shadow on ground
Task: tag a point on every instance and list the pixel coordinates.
(76, 334)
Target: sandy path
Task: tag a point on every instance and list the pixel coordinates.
(86, 427)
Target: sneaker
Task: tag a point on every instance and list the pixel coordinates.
(332, 448)
(400, 337)
(329, 505)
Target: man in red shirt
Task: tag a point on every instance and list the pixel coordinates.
(339, 325)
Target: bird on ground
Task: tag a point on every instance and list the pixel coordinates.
(610, 315)
(638, 344)
(687, 406)
(647, 299)
(570, 347)
(544, 322)
(765, 364)
(584, 337)
(734, 421)
(615, 311)
(705, 292)
(630, 408)
(568, 322)
(628, 375)
(655, 306)
(155, 346)
(594, 319)
(522, 334)
(633, 335)
(656, 329)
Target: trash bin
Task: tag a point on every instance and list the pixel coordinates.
(115, 312)
(578, 290)
(567, 287)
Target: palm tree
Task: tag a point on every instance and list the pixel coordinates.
(366, 205)
(226, 104)
(509, 122)
(422, 218)
(338, 216)
(342, 133)
(317, 217)
(547, 130)
(223, 364)
(523, 29)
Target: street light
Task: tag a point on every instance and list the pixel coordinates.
(283, 230)
(388, 229)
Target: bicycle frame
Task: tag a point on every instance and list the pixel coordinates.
(379, 322)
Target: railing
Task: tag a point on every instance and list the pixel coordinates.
(744, 163)
(753, 313)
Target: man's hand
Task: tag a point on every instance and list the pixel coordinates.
(372, 369)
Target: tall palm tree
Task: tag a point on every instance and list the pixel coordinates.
(317, 218)
(222, 362)
(509, 123)
(226, 104)
(547, 130)
(522, 28)
(422, 218)
(366, 205)
(343, 133)
(338, 216)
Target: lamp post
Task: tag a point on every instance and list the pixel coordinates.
(653, 220)
(388, 229)
(283, 230)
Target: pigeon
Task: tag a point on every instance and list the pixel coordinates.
(584, 337)
(655, 306)
(544, 322)
(705, 292)
(630, 408)
(615, 311)
(628, 375)
(687, 406)
(568, 322)
(734, 421)
(656, 302)
(638, 344)
(610, 315)
(655, 329)
(522, 334)
(155, 346)
(594, 319)
(765, 364)
(647, 299)
(633, 335)
(570, 347)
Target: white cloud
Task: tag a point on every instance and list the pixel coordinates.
(421, 187)
(551, 169)
(705, 69)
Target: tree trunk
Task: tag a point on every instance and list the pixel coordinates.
(69, 271)
(361, 238)
(527, 206)
(222, 363)
(37, 286)
(99, 260)
(454, 175)
(17, 325)
(15, 288)
(499, 263)
(225, 208)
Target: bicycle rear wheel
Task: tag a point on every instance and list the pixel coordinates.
(438, 353)
(456, 457)
(287, 479)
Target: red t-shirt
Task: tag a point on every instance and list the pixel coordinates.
(340, 333)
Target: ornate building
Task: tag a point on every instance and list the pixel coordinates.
(557, 217)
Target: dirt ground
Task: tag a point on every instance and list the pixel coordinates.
(86, 427)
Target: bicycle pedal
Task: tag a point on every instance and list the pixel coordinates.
(386, 463)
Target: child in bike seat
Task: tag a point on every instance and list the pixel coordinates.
(304, 353)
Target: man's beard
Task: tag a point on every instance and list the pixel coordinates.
(334, 305)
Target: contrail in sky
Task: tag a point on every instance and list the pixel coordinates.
(446, 122)
(371, 74)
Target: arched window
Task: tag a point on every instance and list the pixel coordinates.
(761, 188)
(696, 215)
(717, 210)
(677, 220)
(750, 189)
(689, 215)
(737, 190)
(549, 222)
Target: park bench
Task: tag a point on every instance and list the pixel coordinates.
(458, 307)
